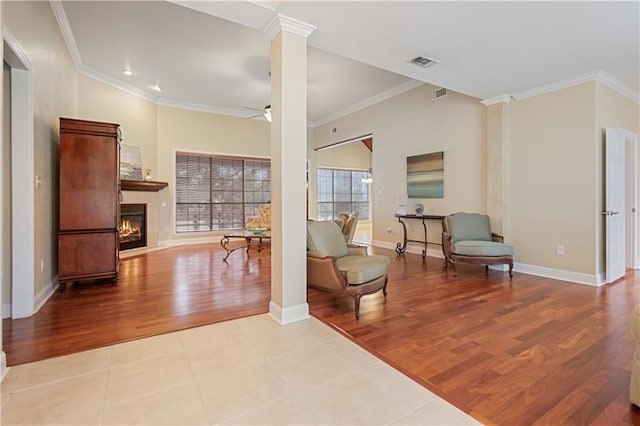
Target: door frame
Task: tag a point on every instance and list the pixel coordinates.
(22, 178)
(631, 183)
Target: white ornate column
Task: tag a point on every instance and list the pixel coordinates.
(288, 39)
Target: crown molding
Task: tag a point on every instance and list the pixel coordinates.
(617, 85)
(166, 102)
(15, 56)
(67, 34)
(285, 23)
(171, 103)
(598, 76)
(500, 99)
(394, 91)
(116, 84)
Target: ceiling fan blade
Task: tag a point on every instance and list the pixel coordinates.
(255, 109)
(255, 116)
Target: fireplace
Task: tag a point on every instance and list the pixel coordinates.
(133, 226)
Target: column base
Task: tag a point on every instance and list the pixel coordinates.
(290, 314)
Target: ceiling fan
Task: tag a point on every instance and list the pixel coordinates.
(266, 112)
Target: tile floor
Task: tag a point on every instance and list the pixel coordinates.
(243, 372)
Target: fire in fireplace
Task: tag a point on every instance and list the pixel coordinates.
(133, 226)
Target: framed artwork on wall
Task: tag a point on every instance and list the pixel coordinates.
(425, 175)
(130, 164)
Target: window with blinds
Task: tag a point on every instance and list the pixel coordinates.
(217, 193)
(342, 191)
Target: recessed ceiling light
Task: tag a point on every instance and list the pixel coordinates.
(157, 88)
(127, 72)
(423, 61)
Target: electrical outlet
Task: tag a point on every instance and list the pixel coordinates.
(41, 265)
(388, 230)
(560, 249)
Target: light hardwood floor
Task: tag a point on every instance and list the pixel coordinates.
(527, 351)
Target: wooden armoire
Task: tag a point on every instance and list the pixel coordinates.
(88, 240)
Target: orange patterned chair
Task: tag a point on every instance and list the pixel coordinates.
(263, 218)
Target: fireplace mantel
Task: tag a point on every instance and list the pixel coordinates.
(142, 185)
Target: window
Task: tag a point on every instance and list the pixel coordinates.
(342, 191)
(215, 193)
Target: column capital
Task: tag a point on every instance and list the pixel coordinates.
(285, 23)
(500, 99)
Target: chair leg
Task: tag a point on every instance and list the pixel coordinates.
(384, 289)
(356, 298)
(511, 270)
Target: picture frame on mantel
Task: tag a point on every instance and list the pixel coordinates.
(425, 175)
(130, 163)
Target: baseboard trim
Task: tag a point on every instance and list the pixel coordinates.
(559, 274)
(288, 315)
(411, 248)
(45, 294)
(185, 241)
(595, 280)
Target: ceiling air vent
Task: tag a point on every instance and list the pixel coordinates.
(423, 61)
(440, 93)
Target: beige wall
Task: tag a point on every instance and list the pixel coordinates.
(412, 124)
(552, 179)
(55, 85)
(612, 110)
(354, 155)
(137, 117)
(182, 130)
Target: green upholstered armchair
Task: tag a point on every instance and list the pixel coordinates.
(336, 267)
(467, 238)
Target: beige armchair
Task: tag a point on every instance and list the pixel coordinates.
(467, 238)
(262, 219)
(634, 389)
(341, 269)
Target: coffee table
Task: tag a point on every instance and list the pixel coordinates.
(247, 236)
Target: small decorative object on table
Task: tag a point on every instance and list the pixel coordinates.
(403, 201)
(258, 231)
(419, 209)
(148, 176)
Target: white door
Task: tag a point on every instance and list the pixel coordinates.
(615, 204)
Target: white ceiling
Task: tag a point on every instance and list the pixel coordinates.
(359, 52)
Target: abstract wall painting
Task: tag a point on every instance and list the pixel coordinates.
(425, 175)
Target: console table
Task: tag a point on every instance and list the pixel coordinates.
(402, 247)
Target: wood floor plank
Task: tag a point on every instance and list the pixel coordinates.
(509, 352)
